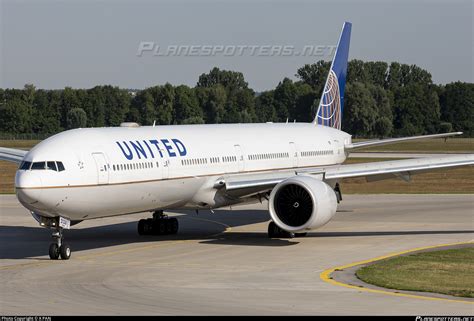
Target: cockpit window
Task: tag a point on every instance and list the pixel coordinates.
(60, 166)
(38, 165)
(25, 165)
(51, 166)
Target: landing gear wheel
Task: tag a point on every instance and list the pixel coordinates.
(147, 226)
(160, 224)
(288, 235)
(272, 230)
(174, 225)
(168, 226)
(65, 251)
(161, 227)
(141, 227)
(54, 251)
(276, 232)
(58, 248)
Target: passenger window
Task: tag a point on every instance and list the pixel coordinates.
(60, 166)
(51, 166)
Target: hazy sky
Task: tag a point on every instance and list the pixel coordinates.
(54, 44)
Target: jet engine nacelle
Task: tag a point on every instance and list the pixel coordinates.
(302, 203)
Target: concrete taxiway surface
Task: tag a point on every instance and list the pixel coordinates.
(223, 263)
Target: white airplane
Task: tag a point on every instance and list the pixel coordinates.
(90, 173)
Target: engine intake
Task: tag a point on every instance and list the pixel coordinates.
(302, 203)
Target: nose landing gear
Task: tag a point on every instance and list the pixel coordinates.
(59, 249)
(160, 224)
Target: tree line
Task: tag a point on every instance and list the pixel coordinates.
(381, 100)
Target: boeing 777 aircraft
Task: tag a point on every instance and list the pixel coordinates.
(90, 173)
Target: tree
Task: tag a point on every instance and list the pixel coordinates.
(231, 80)
(457, 106)
(164, 97)
(94, 106)
(285, 99)
(186, 107)
(377, 72)
(408, 114)
(45, 114)
(69, 101)
(384, 122)
(244, 100)
(76, 118)
(116, 105)
(360, 111)
(356, 72)
(314, 75)
(212, 100)
(305, 105)
(394, 77)
(265, 107)
(16, 117)
(142, 109)
(380, 100)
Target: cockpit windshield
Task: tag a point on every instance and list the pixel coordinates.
(25, 165)
(49, 165)
(38, 165)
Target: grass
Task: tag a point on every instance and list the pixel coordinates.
(438, 145)
(447, 272)
(20, 144)
(7, 177)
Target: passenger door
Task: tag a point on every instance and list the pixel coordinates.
(240, 158)
(165, 165)
(102, 168)
(293, 154)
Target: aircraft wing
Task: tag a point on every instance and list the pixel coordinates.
(244, 185)
(12, 155)
(378, 142)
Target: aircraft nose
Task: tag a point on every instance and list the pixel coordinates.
(28, 186)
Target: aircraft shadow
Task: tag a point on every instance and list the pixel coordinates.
(261, 239)
(20, 242)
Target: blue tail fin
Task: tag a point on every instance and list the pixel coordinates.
(331, 104)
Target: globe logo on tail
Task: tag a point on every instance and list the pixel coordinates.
(329, 111)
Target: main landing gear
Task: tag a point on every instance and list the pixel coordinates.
(58, 248)
(160, 224)
(276, 232)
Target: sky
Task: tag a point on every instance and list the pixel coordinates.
(81, 44)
